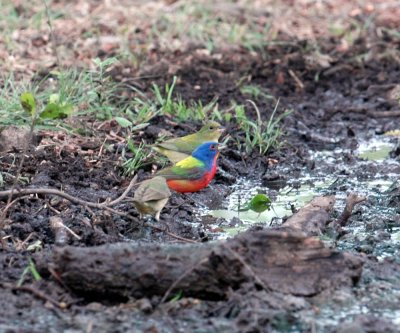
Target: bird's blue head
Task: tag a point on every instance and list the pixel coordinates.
(206, 152)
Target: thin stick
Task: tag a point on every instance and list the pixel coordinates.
(117, 212)
(296, 79)
(9, 205)
(41, 190)
(104, 205)
(186, 240)
(38, 294)
(123, 195)
(352, 200)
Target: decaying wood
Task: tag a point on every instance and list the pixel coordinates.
(352, 200)
(313, 217)
(285, 262)
(61, 235)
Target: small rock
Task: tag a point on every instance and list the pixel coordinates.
(144, 305)
(14, 138)
(368, 249)
(235, 221)
(383, 235)
(94, 306)
(367, 324)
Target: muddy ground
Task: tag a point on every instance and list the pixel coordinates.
(336, 105)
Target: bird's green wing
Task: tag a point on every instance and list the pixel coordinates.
(173, 155)
(184, 145)
(190, 168)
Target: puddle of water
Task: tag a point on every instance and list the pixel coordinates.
(288, 198)
(339, 183)
(331, 316)
(377, 149)
(294, 196)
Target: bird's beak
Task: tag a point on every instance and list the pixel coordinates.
(221, 129)
(222, 147)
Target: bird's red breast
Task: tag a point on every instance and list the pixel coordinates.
(183, 185)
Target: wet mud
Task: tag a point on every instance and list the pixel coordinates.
(334, 110)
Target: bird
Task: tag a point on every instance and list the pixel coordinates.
(194, 172)
(177, 149)
(259, 203)
(151, 197)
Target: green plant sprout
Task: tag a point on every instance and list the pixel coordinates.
(257, 134)
(31, 268)
(130, 165)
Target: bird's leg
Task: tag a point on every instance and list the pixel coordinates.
(239, 197)
(166, 227)
(142, 220)
(274, 211)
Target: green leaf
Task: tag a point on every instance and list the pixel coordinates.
(30, 268)
(177, 296)
(36, 246)
(51, 111)
(28, 103)
(140, 126)
(34, 271)
(56, 111)
(123, 122)
(66, 110)
(54, 99)
(22, 277)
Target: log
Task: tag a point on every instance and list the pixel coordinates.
(284, 262)
(313, 217)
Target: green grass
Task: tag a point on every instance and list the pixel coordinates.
(94, 96)
(255, 91)
(211, 26)
(30, 268)
(140, 155)
(90, 93)
(11, 112)
(259, 135)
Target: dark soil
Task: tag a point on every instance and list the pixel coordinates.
(334, 107)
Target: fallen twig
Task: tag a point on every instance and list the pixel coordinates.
(11, 203)
(50, 191)
(367, 111)
(103, 205)
(38, 294)
(186, 240)
(352, 200)
(61, 231)
(299, 83)
(384, 114)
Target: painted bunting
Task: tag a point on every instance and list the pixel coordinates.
(151, 197)
(178, 149)
(194, 172)
(259, 203)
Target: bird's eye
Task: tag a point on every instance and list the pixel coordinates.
(212, 147)
(210, 127)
